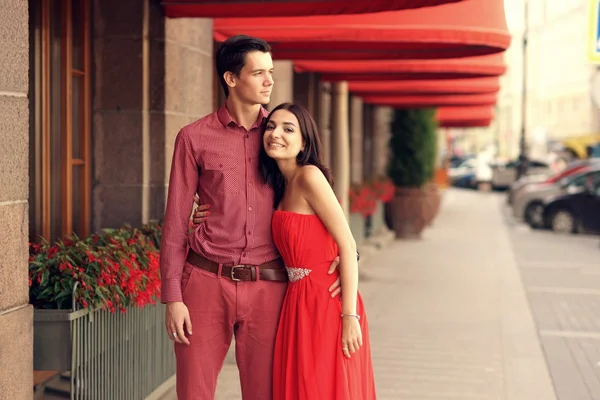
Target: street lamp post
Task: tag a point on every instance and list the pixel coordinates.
(523, 161)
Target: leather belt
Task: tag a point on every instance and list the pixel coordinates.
(273, 270)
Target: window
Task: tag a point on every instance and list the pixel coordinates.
(60, 169)
(581, 181)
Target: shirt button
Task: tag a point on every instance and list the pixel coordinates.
(249, 208)
(244, 254)
(249, 183)
(249, 232)
(247, 136)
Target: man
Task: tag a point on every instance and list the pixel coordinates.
(232, 280)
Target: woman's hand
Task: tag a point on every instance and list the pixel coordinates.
(201, 212)
(351, 335)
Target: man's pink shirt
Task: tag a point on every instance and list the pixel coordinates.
(218, 159)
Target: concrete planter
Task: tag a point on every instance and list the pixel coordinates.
(52, 341)
(377, 219)
(409, 212)
(357, 226)
(433, 196)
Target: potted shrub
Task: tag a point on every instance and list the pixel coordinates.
(410, 167)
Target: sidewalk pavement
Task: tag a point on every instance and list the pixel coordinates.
(448, 314)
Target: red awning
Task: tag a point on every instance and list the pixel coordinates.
(394, 70)
(280, 8)
(467, 123)
(432, 101)
(420, 87)
(464, 113)
(464, 117)
(462, 29)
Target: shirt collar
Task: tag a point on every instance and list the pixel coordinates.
(226, 120)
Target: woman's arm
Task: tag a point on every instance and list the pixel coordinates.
(322, 200)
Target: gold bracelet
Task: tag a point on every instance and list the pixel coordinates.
(351, 315)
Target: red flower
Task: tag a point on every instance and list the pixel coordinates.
(362, 200)
(115, 269)
(52, 252)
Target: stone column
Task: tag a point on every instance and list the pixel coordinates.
(381, 138)
(283, 89)
(16, 315)
(368, 126)
(356, 140)
(325, 120)
(381, 153)
(306, 92)
(152, 76)
(187, 90)
(341, 144)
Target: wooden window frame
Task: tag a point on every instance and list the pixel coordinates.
(43, 211)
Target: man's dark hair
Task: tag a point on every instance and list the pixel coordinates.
(231, 55)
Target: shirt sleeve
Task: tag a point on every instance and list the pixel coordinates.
(183, 184)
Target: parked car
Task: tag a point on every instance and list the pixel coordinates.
(466, 167)
(468, 181)
(576, 212)
(520, 185)
(455, 161)
(579, 146)
(528, 204)
(504, 175)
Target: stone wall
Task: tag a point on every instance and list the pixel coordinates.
(16, 315)
(283, 89)
(152, 76)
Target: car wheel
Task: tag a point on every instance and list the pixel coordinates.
(563, 221)
(534, 215)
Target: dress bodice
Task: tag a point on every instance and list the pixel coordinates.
(304, 242)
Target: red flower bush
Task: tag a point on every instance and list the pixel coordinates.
(113, 269)
(362, 200)
(384, 189)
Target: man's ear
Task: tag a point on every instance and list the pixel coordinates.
(229, 79)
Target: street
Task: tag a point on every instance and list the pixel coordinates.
(475, 308)
(561, 275)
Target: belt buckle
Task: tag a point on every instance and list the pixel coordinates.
(233, 268)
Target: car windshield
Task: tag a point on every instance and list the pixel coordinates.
(580, 180)
(565, 173)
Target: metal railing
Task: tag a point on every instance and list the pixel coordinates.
(120, 356)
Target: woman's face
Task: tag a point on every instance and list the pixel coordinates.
(282, 138)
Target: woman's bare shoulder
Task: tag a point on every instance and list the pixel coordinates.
(312, 179)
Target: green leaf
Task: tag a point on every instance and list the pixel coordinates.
(44, 280)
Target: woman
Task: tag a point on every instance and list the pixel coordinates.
(322, 349)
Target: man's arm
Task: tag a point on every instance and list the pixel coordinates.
(183, 184)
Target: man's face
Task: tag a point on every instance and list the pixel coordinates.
(255, 82)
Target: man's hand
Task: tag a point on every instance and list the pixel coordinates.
(176, 317)
(200, 212)
(336, 288)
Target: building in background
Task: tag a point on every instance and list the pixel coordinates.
(560, 109)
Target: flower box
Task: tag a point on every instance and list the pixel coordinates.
(52, 343)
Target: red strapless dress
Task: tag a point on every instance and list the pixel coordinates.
(309, 363)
